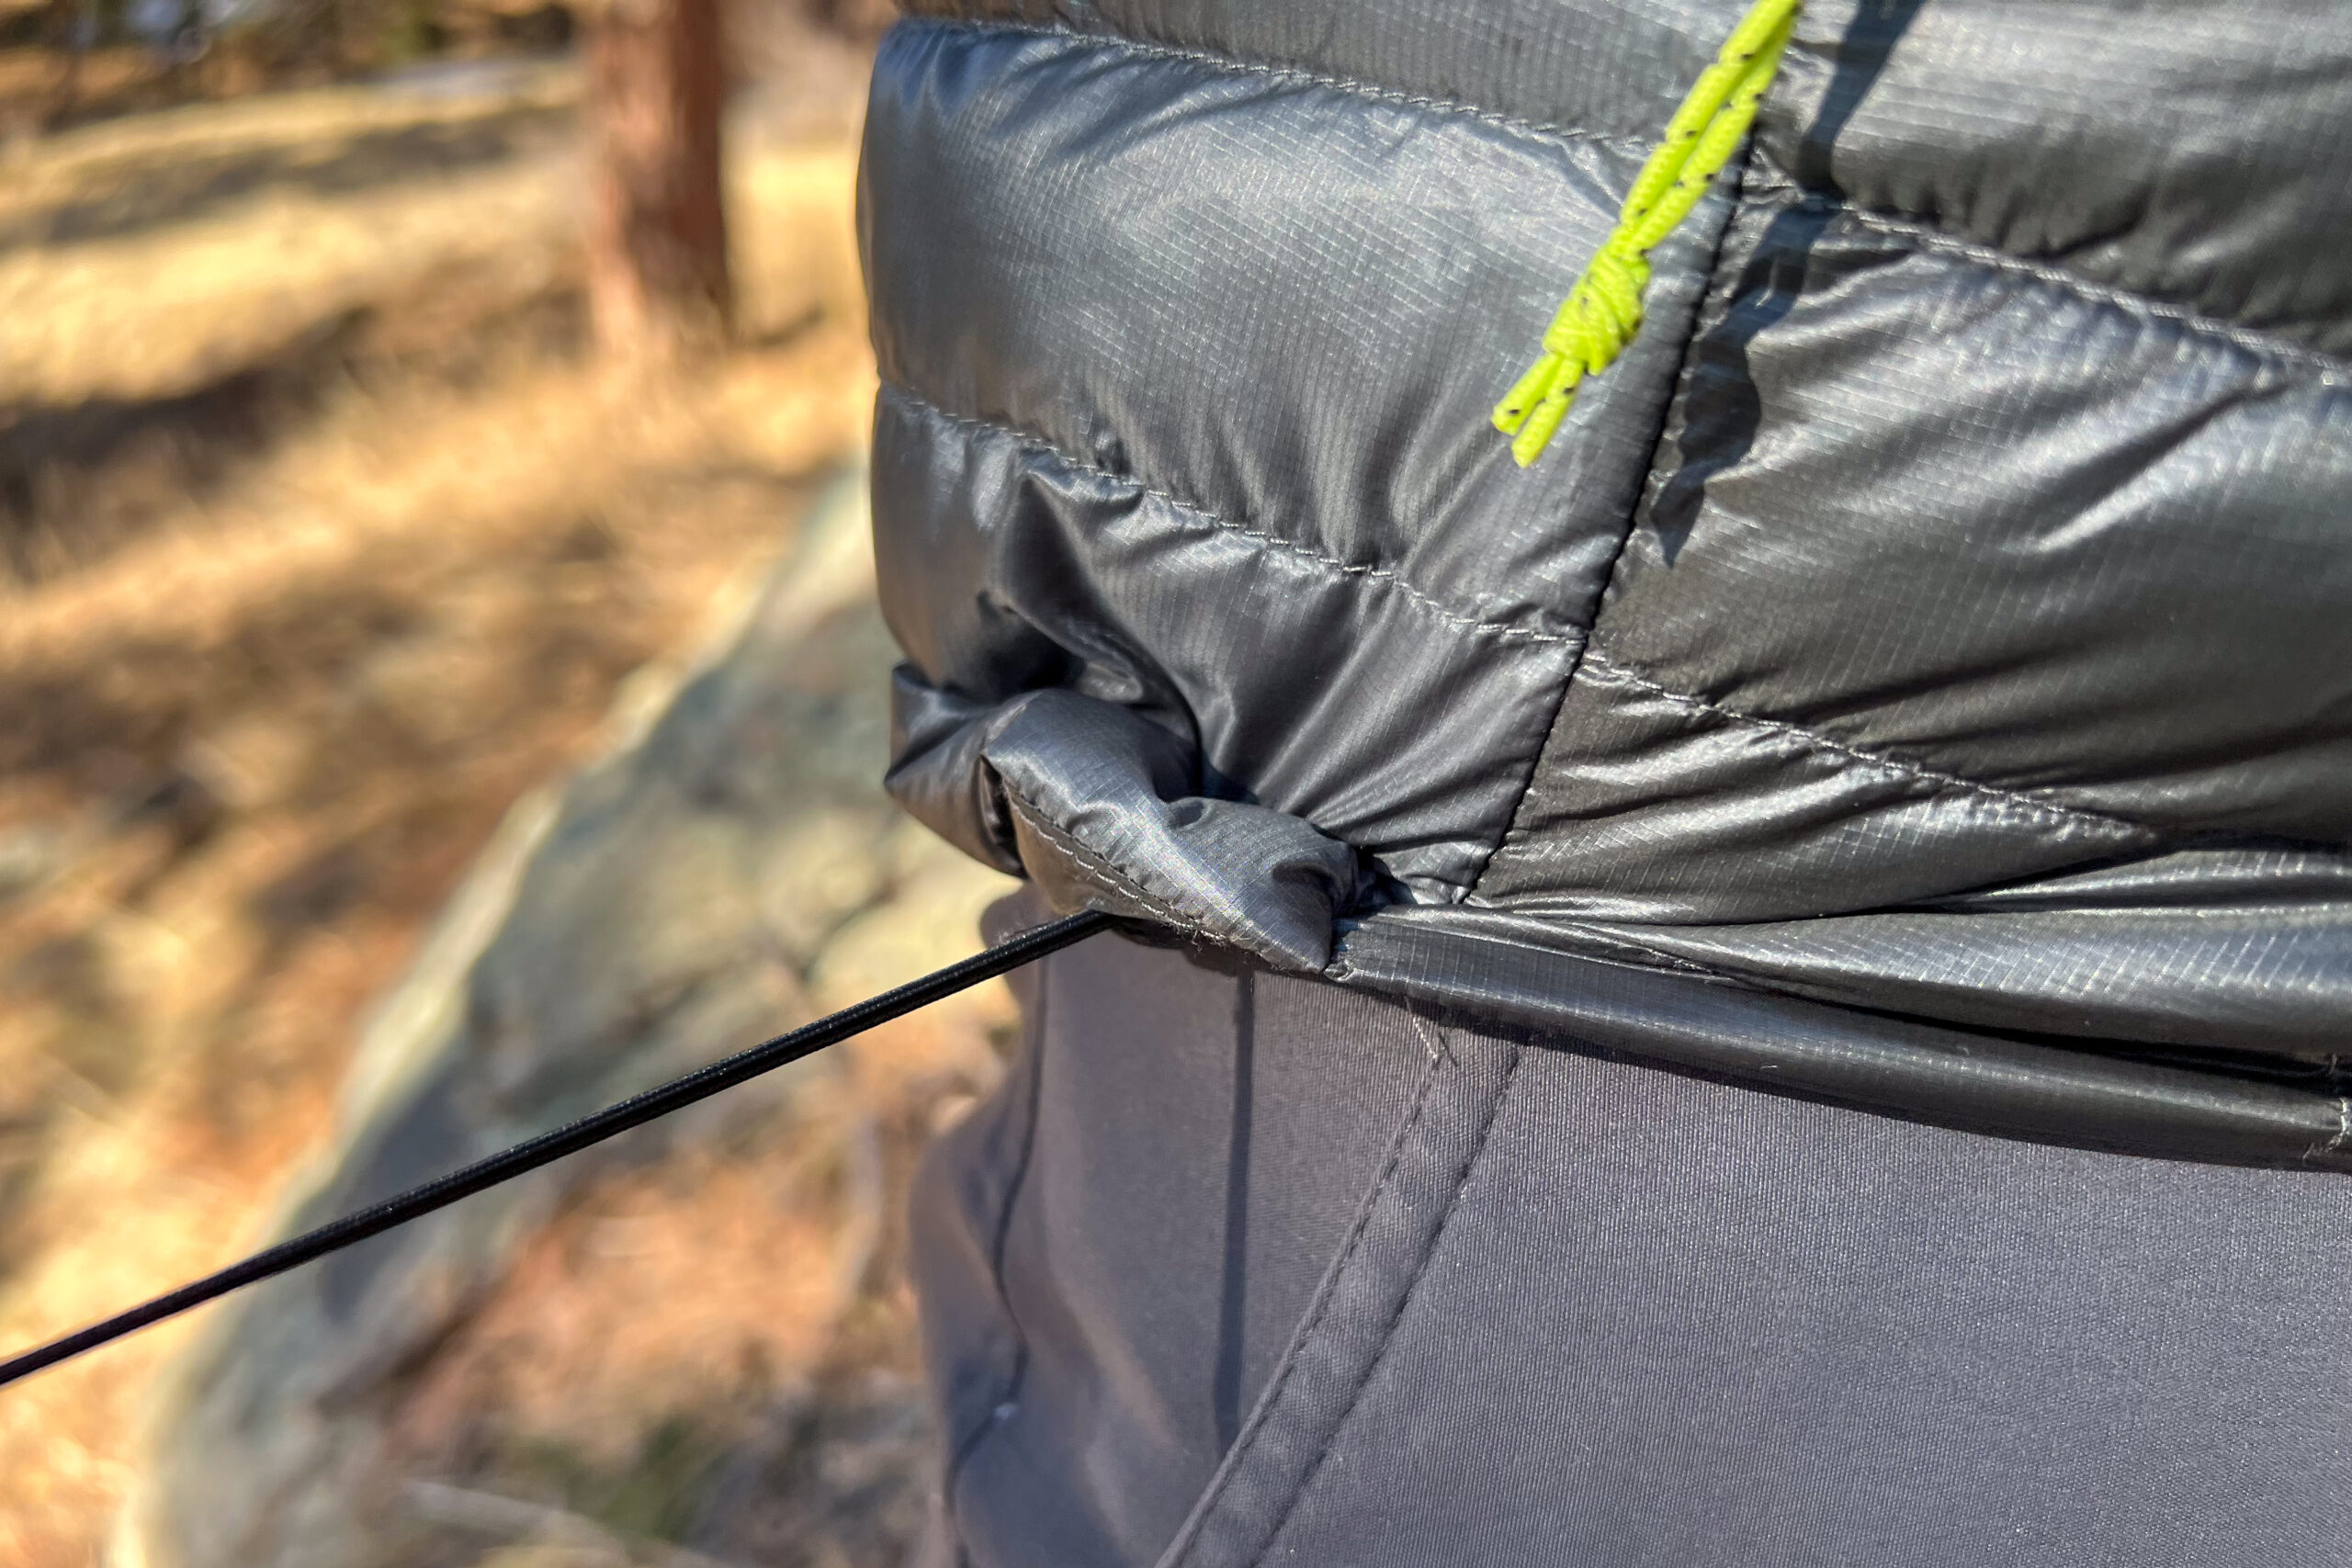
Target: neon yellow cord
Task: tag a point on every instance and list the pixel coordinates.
(1603, 311)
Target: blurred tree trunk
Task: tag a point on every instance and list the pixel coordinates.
(657, 223)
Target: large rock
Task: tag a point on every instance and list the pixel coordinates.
(730, 860)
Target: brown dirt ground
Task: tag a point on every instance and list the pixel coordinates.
(319, 544)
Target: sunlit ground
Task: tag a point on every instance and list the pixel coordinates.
(319, 543)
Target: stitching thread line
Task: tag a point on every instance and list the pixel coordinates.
(2254, 340)
(1098, 869)
(1294, 75)
(1609, 669)
(1928, 238)
(1645, 494)
(1259, 1418)
(1039, 443)
(1404, 1304)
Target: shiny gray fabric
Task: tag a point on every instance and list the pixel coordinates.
(1104, 805)
(2034, 955)
(1629, 1000)
(1943, 612)
(1245, 1269)
(2181, 161)
(1267, 510)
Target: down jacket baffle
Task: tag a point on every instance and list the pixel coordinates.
(1919, 674)
(1917, 681)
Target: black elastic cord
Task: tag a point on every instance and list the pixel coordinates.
(550, 1146)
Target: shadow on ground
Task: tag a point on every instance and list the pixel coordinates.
(136, 194)
(696, 1338)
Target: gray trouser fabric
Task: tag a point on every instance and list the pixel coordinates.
(1241, 1268)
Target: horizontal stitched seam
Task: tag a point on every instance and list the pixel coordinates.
(1928, 237)
(1299, 76)
(1609, 670)
(1039, 443)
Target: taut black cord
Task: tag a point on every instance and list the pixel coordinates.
(546, 1147)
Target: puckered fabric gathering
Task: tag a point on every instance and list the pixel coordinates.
(1766, 982)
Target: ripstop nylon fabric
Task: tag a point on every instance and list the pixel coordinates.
(1955, 553)
(1603, 311)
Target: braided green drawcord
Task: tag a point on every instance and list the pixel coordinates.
(1603, 311)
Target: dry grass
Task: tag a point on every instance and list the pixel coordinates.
(324, 545)
(720, 1347)
(174, 248)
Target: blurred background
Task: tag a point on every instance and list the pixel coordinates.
(440, 692)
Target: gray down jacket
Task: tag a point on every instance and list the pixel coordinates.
(1917, 678)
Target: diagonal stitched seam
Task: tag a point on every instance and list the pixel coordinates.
(1041, 444)
(1544, 742)
(1295, 75)
(1264, 1412)
(1404, 1304)
(1926, 237)
(1098, 868)
(2252, 340)
(1609, 669)
(1622, 947)
(1633, 522)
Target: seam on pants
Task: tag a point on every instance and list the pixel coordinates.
(1181, 1549)
(1396, 1231)
(1348, 1250)
(1294, 75)
(1010, 1392)
(1404, 1304)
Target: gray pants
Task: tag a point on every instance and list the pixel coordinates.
(1241, 1268)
